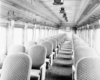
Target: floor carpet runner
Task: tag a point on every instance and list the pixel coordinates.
(61, 69)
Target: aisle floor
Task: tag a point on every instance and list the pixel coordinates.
(61, 69)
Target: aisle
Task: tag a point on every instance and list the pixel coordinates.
(61, 69)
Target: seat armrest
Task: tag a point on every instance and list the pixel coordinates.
(51, 59)
(44, 65)
(73, 73)
(59, 47)
(54, 54)
(51, 54)
(56, 51)
(43, 71)
(1, 63)
(47, 60)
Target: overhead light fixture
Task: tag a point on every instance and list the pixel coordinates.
(58, 2)
(64, 15)
(66, 19)
(62, 10)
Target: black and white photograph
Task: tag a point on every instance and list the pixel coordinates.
(49, 39)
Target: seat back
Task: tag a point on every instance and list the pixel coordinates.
(16, 48)
(82, 52)
(29, 44)
(49, 47)
(54, 43)
(88, 69)
(39, 41)
(16, 67)
(38, 55)
(80, 44)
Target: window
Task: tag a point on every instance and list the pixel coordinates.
(29, 34)
(37, 34)
(18, 35)
(3, 39)
(62, 31)
(83, 34)
(91, 37)
(42, 34)
(87, 35)
(97, 40)
(49, 32)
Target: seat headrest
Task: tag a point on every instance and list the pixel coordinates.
(49, 47)
(53, 42)
(16, 48)
(29, 44)
(83, 52)
(39, 41)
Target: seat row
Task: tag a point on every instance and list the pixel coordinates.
(85, 60)
(39, 55)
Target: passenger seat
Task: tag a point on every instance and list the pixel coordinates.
(49, 57)
(38, 56)
(16, 67)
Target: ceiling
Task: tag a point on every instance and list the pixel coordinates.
(71, 8)
(79, 12)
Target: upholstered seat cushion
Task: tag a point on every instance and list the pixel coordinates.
(65, 52)
(35, 73)
(88, 69)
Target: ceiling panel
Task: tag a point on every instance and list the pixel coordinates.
(71, 9)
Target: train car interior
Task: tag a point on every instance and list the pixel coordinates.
(49, 39)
